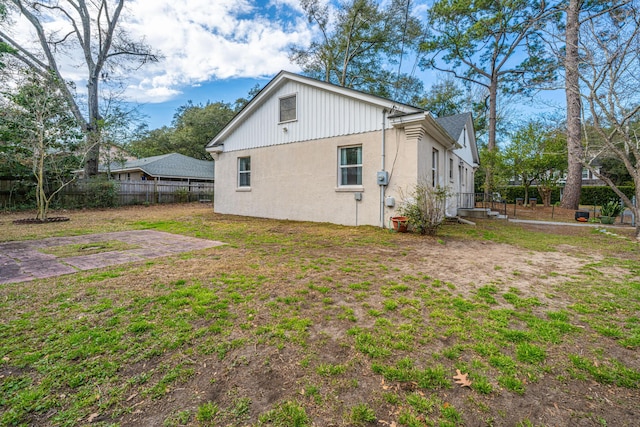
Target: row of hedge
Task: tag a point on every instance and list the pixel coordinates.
(590, 195)
(98, 194)
(599, 195)
(510, 194)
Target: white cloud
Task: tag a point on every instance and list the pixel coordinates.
(200, 41)
(203, 40)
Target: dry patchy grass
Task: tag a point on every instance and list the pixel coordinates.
(316, 324)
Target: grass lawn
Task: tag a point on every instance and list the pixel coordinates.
(301, 324)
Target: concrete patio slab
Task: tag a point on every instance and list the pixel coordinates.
(24, 261)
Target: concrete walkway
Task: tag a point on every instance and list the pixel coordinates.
(572, 224)
(23, 261)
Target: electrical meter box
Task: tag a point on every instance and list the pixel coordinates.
(383, 178)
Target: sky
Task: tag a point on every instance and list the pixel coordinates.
(210, 50)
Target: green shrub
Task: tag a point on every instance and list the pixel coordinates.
(101, 193)
(590, 195)
(425, 208)
(181, 195)
(599, 195)
(611, 209)
(511, 193)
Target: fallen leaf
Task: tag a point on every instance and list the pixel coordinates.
(462, 379)
(92, 417)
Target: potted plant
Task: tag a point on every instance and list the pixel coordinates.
(400, 223)
(610, 211)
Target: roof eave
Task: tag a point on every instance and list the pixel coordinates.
(440, 133)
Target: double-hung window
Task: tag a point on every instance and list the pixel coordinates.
(451, 170)
(244, 172)
(435, 172)
(350, 166)
(288, 108)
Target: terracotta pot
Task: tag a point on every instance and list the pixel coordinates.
(400, 223)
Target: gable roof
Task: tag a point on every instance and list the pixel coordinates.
(281, 78)
(173, 165)
(454, 125)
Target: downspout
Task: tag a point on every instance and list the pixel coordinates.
(382, 187)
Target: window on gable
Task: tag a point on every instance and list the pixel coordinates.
(350, 166)
(288, 108)
(244, 172)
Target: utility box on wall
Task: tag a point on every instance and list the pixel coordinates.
(383, 178)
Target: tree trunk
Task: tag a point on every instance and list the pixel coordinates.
(42, 213)
(92, 130)
(636, 210)
(571, 195)
(545, 194)
(491, 143)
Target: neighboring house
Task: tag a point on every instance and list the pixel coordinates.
(167, 167)
(308, 150)
(588, 178)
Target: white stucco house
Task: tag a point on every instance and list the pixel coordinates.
(308, 150)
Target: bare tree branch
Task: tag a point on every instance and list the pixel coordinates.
(94, 28)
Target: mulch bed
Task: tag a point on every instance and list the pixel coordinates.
(41, 221)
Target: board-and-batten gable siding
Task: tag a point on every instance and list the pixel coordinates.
(320, 114)
(465, 153)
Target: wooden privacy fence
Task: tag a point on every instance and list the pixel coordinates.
(145, 192)
(19, 193)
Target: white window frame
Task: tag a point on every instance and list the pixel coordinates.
(244, 173)
(435, 167)
(295, 108)
(451, 169)
(342, 167)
